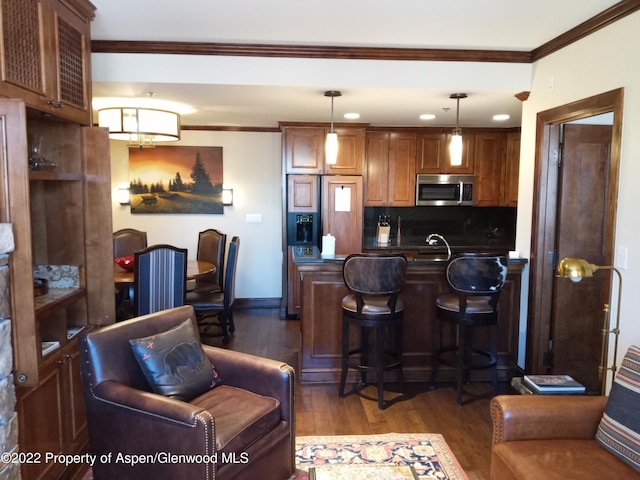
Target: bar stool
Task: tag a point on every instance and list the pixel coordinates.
(375, 282)
(476, 280)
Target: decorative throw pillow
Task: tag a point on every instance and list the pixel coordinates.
(174, 362)
(619, 429)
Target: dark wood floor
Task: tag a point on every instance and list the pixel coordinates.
(466, 429)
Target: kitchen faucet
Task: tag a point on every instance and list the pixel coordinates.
(432, 239)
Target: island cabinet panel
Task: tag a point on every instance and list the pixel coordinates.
(323, 289)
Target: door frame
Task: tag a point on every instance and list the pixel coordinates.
(547, 124)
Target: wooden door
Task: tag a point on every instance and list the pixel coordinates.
(510, 174)
(376, 169)
(468, 155)
(432, 154)
(342, 212)
(402, 169)
(303, 149)
(350, 152)
(581, 223)
(489, 161)
(302, 193)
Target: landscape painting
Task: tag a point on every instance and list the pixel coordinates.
(181, 179)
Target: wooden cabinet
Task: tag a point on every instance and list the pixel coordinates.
(293, 285)
(52, 416)
(302, 193)
(390, 172)
(46, 52)
(321, 321)
(511, 171)
(489, 164)
(303, 150)
(433, 154)
(342, 213)
(62, 225)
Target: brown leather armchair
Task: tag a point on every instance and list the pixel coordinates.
(246, 426)
(551, 437)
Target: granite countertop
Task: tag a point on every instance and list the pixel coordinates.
(431, 256)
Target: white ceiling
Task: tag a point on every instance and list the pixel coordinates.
(259, 92)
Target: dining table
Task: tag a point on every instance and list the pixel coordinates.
(124, 281)
(195, 269)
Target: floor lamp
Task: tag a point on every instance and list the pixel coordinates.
(575, 269)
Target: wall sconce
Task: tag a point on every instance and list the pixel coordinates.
(122, 195)
(227, 197)
(576, 269)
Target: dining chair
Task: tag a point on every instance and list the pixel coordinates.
(218, 303)
(160, 275)
(211, 248)
(127, 240)
(476, 280)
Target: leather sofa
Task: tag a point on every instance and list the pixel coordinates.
(242, 429)
(551, 437)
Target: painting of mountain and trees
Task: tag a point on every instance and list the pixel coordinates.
(181, 179)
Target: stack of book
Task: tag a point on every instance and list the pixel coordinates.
(553, 385)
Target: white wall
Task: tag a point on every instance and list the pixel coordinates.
(252, 167)
(599, 63)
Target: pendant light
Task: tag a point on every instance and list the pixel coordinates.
(455, 148)
(331, 143)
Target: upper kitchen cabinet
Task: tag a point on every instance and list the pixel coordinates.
(390, 169)
(433, 154)
(46, 51)
(302, 193)
(489, 165)
(303, 150)
(511, 171)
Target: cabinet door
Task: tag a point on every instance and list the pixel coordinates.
(490, 148)
(342, 212)
(24, 74)
(74, 415)
(304, 149)
(468, 155)
(302, 193)
(402, 169)
(350, 152)
(46, 50)
(376, 169)
(40, 420)
(511, 171)
(432, 153)
(293, 285)
(71, 92)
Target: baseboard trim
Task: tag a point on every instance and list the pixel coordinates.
(258, 302)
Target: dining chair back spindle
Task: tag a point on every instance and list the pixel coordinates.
(159, 278)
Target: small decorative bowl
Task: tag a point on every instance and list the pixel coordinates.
(40, 286)
(125, 262)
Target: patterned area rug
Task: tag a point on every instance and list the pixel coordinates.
(428, 453)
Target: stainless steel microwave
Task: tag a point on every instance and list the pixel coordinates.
(437, 190)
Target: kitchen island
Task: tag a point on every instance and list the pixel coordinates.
(322, 290)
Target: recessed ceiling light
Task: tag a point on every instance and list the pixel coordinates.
(501, 117)
(427, 116)
(352, 116)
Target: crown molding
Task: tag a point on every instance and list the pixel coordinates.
(607, 17)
